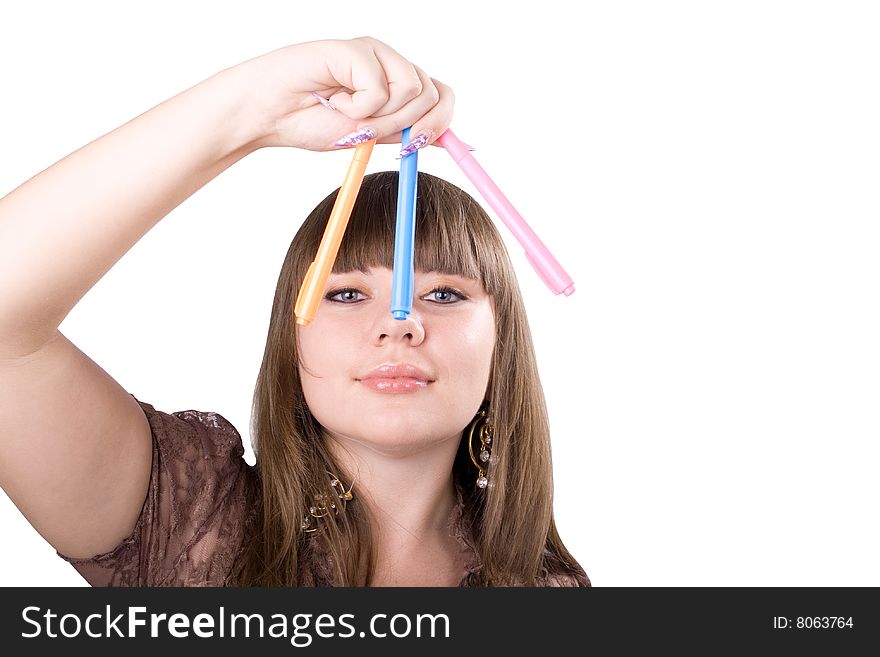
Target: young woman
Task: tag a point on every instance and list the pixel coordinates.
(389, 452)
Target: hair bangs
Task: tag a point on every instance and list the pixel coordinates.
(453, 234)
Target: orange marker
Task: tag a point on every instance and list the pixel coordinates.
(319, 271)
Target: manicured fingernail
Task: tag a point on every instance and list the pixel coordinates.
(417, 142)
(357, 137)
(322, 100)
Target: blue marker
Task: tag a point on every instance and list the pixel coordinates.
(404, 234)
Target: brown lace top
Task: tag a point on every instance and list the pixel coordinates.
(198, 513)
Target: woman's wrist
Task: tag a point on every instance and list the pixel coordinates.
(250, 128)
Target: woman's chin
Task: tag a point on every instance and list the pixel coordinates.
(398, 436)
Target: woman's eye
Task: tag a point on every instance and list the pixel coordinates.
(447, 294)
(444, 296)
(346, 295)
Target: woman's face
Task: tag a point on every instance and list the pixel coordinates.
(449, 337)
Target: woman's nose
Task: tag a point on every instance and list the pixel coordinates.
(387, 328)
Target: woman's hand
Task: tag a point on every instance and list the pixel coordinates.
(369, 84)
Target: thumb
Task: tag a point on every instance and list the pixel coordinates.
(359, 70)
(361, 103)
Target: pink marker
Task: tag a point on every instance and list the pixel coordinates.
(550, 271)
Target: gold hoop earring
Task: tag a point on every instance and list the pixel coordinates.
(321, 509)
(486, 433)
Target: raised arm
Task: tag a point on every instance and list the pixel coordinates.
(75, 448)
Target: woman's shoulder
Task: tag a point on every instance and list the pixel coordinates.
(197, 510)
(192, 433)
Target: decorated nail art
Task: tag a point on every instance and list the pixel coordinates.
(417, 142)
(357, 137)
(322, 100)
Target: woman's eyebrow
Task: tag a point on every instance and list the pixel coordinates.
(469, 284)
(464, 279)
(434, 274)
(353, 272)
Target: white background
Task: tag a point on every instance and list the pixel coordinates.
(706, 172)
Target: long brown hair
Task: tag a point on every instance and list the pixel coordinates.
(511, 521)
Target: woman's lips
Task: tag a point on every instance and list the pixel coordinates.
(395, 385)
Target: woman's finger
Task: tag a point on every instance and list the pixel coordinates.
(382, 81)
(353, 65)
(430, 112)
(429, 126)
(404, 81)
(435, 122)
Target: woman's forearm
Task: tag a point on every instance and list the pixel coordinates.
(63, 229)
